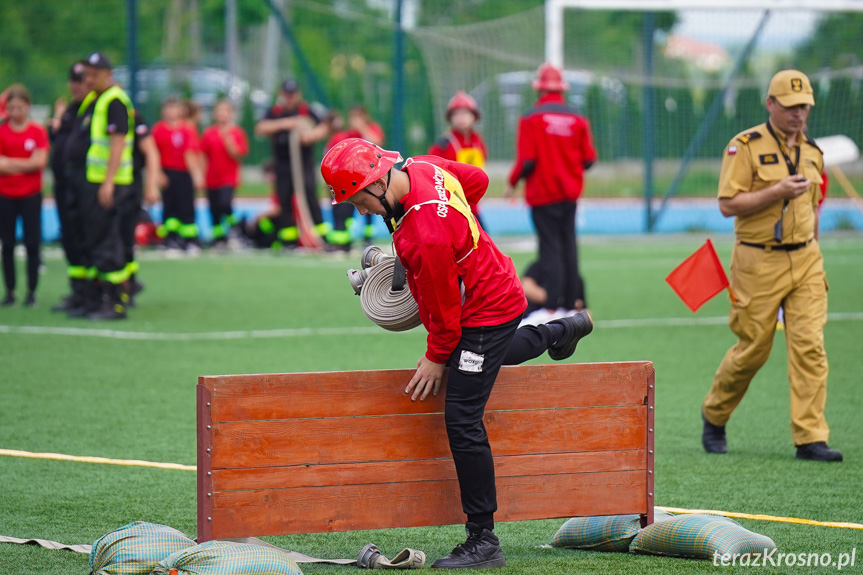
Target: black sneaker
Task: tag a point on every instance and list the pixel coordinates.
(480, 551)
(575, 327)
(8, 300)
(30, 300)
(713, 437)
(818, 451)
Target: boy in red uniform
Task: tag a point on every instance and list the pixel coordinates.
(23, 156)
(462, 143)
(470, 301)
(178, 147)
(224, 144)
(554, 148)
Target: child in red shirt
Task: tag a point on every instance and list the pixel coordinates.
(23, 156)
(178, 146)
(223, 145)
(462, 143)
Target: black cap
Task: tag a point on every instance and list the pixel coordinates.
(76, 72)
(290, 86)
(98, 60)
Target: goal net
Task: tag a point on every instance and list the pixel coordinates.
(671, 80)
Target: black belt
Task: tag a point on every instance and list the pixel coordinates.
(780, 247)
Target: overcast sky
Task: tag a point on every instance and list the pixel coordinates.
(729, 28)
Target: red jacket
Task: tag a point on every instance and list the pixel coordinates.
(435, 245)
(459, 147)
(558, 141)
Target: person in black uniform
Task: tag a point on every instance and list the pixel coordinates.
(71, 225)
(288, 114)
(99, 172)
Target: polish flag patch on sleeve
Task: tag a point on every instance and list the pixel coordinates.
(732, 150)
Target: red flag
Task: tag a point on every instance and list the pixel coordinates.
(699, 277)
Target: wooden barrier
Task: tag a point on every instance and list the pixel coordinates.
(341, 451)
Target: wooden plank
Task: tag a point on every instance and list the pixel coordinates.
(205, 480)
(411, 437)
(381, 392)
(425, 470)
(346, 508)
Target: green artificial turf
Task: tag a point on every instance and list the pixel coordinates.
(132, 398)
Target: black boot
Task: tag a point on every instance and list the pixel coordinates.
(74, 299)
(113, 304)
(90, 300)
(480, 551)
(575, 327)
(818, 451)
(713, 437)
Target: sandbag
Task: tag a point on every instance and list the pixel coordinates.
(699, 537)
(605, 533)
(225, 558)
(135, 548)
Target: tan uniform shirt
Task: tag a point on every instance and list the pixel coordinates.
(753, 161)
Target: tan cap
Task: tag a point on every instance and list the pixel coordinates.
(791, 88)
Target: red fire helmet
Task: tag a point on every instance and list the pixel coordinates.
(353, 164)
(549, 79)
(462, 100)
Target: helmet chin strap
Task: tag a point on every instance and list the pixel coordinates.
(388, 217)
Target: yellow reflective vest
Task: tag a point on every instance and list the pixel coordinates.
(100, 141)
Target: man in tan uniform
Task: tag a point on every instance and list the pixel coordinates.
(770, 183)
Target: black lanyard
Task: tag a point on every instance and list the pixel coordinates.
(792, 168)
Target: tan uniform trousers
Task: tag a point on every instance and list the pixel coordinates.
(762, 281)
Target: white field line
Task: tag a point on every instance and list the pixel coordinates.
(333, 331)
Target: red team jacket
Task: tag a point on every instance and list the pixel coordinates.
(435, 245)
(559, 141)
(458, 147)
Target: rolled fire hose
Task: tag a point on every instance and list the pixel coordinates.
(386, 305)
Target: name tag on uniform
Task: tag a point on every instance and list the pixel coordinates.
(470, 361)
(768, 159)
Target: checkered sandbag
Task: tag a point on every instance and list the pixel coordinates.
(135, 549)
(699, 537)
(609, 533)
(224, 558)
